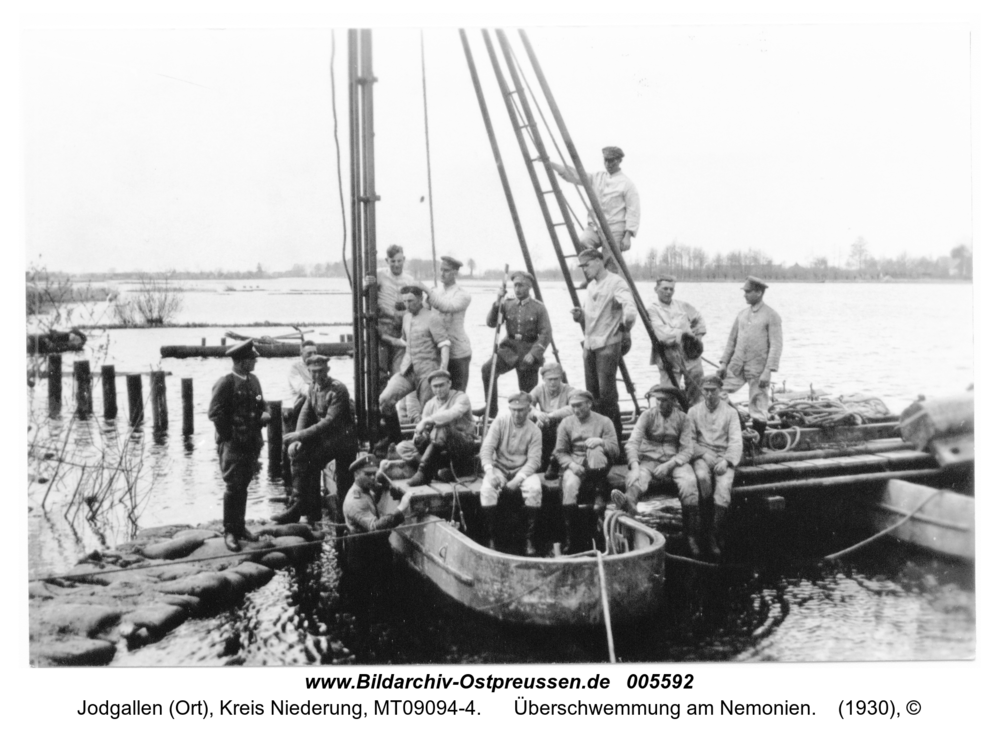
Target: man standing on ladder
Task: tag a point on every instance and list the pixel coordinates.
(529, 334)
(608, 311)
(619, 201)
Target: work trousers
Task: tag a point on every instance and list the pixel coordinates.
(308, 464)
(458, 447)
(593, 482)
(458, 368)
(593, 238)
(390, 357)
(687, 485)
(693, 375)
(496, 479)
(710, 485)
(758, 395)
(400, 386)
(510, 356)
(600, 370)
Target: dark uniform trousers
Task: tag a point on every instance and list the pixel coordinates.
(309, 463)
(510, 356)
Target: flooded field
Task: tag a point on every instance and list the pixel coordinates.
(894, 341)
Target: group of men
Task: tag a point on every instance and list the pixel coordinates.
(425, 356)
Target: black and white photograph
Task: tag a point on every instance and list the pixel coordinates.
(407, 344)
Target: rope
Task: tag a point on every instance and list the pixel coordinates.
(258, 551)
(427, 145)
(336, 142)
(886, 531)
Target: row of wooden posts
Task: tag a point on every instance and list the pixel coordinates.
(158, 400)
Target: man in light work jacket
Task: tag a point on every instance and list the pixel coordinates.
(619, 201)
(529, 334)
(510, 455)
(680, 329)
(753, 352)
(608, 311)
(238, 410)
(718, 447)
(451, 301)
(445, 435)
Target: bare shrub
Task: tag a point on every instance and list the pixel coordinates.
(154, 303)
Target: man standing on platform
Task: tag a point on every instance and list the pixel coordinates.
(619, 201)
(753, 352)
(718, 447)
(299, 382)
(361, 504)
(428, 348)
(451, 301)
(239, 411)
(660, 447)
(608, 311)
(529, 334)
(390, 281)
(551, 401)
(680, 329)
(586, 447)
(326, 431)
(510, 455)
(445, 435)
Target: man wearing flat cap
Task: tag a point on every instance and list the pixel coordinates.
(551, 401)
(239, 411)
(529, 334)
(680, 330)
(660, 448)
(451, 301)
(361, 504)
(326, 431)
(718, 447)
(388, 282)
(607, 315)
(510, 455)
(753, 351)
(586, 447)
(619, 201)
(444, 436)
(428, 348)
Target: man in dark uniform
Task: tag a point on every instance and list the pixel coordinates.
(326, 430)
(238, 410)
(529, 334)
(361, 504)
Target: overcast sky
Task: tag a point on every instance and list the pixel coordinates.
(204, 149)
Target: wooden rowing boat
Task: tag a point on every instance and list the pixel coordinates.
(562, 591)
(939, 520)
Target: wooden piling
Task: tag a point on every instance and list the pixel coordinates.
(223, 341)
(55, 378)
(133, 384)
(158, 399)
(187, 399)
(84, 389)
(109, 391)
(203, 341)
(274, 433)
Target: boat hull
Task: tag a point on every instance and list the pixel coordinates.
(944, 525)
(537, 591)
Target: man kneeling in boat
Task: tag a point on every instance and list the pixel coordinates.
(511, 454)
(718, 447)
(586, 447)
(361, 505)
(445, 434)
(551, 401)
(660, 447)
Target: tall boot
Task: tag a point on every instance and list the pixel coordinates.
(569, 525)
(490, 521)
(715, 539)
(426, 468)
(230, 526)
(314, 501)
(296, 504)
(552, 472)
(391, 432)
(530, 522)
(241, 509)
(761, 428)
(690, 515)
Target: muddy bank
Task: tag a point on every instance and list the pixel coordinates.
(132, 595)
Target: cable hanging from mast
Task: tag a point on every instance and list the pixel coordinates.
(336, 142)
(427, 146)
